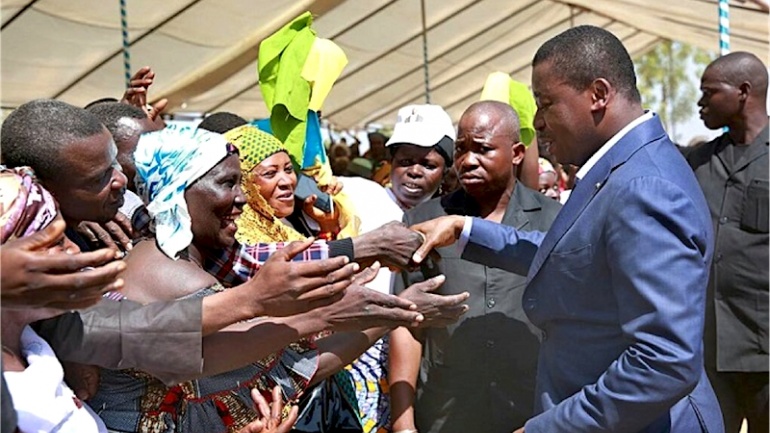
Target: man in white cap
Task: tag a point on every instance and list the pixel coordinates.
(421, 153)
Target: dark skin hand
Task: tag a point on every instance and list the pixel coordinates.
(362, 308)
(33, 276)
(136, 93)
(437, 310)
(392, 245)
(116, 235)
(287, 288)
(270, 420)
(440, 232)
(82, 379)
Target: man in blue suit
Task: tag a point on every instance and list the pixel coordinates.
(618, 283)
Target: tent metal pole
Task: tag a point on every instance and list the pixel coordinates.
(425, 53)
(126, 43)
(724, 27)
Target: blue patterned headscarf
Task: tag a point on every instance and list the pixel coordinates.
(167, 163)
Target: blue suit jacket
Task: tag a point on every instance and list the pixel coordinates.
(618, 286)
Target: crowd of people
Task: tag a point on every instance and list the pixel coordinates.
(172, 278)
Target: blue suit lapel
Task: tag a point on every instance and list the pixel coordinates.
(594, 180)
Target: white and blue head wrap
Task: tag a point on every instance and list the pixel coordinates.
(167, 163)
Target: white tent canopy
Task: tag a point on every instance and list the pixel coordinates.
(204, 51)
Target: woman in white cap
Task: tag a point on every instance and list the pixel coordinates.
(421, 150)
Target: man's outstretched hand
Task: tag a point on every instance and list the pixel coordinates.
(391, 244)
(440, 232)
(436, 310)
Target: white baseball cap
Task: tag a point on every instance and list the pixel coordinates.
(422, 125)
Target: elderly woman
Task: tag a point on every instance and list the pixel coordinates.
(42, 400)
(191, 180)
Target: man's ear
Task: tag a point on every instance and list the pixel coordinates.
(518, 150)
(745, 90)
(601, 92)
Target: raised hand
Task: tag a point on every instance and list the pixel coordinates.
(329, 222)
(440, 232)
(36, 272)
(270, 414)
(137, 92)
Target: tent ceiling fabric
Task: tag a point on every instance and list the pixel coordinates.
(204, 51)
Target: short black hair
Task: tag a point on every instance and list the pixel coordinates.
(222, 122)
(582, 54)
(100, 101)
(739, 67)
(110, 114)
(36, 132)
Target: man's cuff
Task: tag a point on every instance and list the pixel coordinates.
(465, 234)
(342, 247)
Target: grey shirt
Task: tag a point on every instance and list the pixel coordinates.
(479, 373)
(735, 184)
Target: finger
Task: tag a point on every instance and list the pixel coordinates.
(79, 304)
(338, 267)
(448, 300)
(277, 405)
(368, 274)
(100, 279)
(117, 234)
(253, 427)
(125, 223)
(428, 243)
(318, 303)
(431, 284)
(261, 404)
(158, 107)
(62, 262)
(395, 316)
(326, 291)
(327, 285)
(289, 422)
(45, 238)
(104, 237)
(140, 72)
(392, 301)
(136, 90)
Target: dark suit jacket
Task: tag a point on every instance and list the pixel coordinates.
(479, 373)
(618, 285)
(737, 304)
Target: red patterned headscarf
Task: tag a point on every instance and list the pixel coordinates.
(25, 206)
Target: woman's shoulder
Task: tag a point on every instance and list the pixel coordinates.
(152, 276)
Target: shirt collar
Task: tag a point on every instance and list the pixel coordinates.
(611, 142)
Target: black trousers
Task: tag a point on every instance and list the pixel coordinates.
(742, 395)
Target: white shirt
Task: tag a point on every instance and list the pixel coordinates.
(583, 171)
(41, 399)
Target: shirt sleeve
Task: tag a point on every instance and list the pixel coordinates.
(125, 334)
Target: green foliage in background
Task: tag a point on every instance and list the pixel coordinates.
(667, 81)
